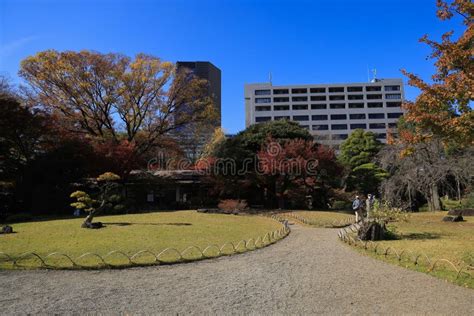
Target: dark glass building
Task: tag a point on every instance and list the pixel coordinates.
(206, 70)
(193, 138)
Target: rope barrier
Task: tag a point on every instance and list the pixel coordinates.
(411, 257)
(191, 253)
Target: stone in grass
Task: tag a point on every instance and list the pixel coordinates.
(371, 231)
(457, 218)
(94, 225)
(448, 219)
(6, 230)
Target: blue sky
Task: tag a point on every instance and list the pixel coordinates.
(297, 41)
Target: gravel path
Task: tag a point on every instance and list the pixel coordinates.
(308, 272)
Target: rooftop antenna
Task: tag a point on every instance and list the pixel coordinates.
(270, 77)
(368, 73)
(374, 74)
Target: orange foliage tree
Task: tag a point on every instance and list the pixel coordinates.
(443, 109)
(113, 99)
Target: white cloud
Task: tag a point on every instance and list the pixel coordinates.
(13, 46)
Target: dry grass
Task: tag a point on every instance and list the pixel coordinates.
(324, 218)
(426, 234)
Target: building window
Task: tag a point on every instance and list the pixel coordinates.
(338, 106)
(259, 119)
(373, 88)
(392, 125)
(356, 105)
(263, 108)
(299, 99)
(356, 126)
(300, 106)
(339, 117)
(281, 99)
(339, 136)
(320, 127)
(319, 117)
(277, 118)
(354, 89)
(318, 98)
(317, 90)
(263, 100)
(394, 115)
(376, 115)
(381, 136)
(320, 137)
(338, 126)
(377, 125)
(300, 118)
(262, 92)
(394, 104)
(281, 91)
(304, 126)
(374, 96)
(299, 90)
(358, 116)
(355, 97)
(392, 96)
(318, 106)
(392, 88)
(375, 105)
(281, 107)
(336, 89)
(337, 97)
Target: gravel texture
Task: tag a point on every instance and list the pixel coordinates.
(308, 272)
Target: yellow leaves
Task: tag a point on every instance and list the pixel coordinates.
(108, 176)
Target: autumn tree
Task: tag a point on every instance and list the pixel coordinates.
(114, 98)
(297, 169)
(217, 138)
(235, 159)
(443, 108)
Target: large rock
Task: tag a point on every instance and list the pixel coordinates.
(448, 219)
(371, 231)
(457, 218)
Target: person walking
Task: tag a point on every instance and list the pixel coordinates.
(369, 204)
(356, 204)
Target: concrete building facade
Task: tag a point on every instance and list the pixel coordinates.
(329, 111)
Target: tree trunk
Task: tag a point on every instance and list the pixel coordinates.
(435, 204)
(88, 220)
(459, 189)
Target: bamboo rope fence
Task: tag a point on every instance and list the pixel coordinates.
(349, 236)
(37, 261)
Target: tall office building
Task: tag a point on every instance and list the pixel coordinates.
(329, 111)
(206, 70)
(193, 138)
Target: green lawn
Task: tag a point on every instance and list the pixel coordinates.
(323, 218)
(426, 233)
(131, 234)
